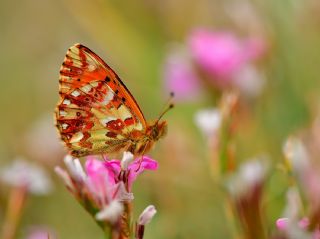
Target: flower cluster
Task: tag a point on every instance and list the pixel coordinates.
(104, 189)
(296, 223)
(218, 59)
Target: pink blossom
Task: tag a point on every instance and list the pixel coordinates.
(94, 187)
(223, 54)
(282, 223)
(40, 232)
(133, 170)
(98, 180)
(180, 76)
(285, 224)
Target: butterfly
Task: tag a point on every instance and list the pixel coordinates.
(96, 113)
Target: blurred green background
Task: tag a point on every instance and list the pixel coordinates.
(133, 37)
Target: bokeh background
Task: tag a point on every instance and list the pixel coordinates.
(134, 37)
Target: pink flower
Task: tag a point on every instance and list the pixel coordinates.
(282, 223)
(180, 76)
(94, 187)
(290, 226)
(99, 182)
(129, 174)
(40, 232)
(222, 54)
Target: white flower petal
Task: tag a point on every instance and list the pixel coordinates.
(296, 153)
(64, 176)
(208, 120)
(23, 173)
(250, 174)
(74, 167)
(250, 81)
(111, 212)
(126, 160)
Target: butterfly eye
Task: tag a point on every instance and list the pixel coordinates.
(107, 79)
(155, 132)
(78, 114)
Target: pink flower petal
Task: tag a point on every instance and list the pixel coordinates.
(138, 167)
(99, 181)
(180, 77)
(114, 168)
(304, 223)
(282, 223)
(93, 166)
(223, 54)
(220, 53)
(255, 48)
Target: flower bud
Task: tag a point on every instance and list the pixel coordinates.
(147, 215)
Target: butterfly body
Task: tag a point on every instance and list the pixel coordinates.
(96, 113)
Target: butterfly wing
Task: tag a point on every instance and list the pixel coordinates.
(96, 112)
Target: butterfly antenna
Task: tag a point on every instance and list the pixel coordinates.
(168, 105)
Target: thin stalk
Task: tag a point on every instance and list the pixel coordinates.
(16, 203)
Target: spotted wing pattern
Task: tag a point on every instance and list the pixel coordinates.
(96, 112)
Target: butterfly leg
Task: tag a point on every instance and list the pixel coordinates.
(104, 157)
(140, 161)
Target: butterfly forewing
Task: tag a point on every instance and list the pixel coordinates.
(96, 112)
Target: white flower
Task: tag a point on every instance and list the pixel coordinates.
(23, 173)
(250, 81)
(49, 150)
(75, 168)
(64, 176)
(147, 215)
(208, 120)
(111, 212)
(250, 174)
(296, 154)
(294, 204)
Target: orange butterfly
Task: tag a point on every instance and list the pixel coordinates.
(96, 113)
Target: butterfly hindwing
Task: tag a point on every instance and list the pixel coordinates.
(96, 112)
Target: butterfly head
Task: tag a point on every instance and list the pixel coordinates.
(158, 130)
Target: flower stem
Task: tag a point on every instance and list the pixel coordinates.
(16, 203)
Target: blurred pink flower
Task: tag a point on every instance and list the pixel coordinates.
(282, 223)
(223, 54)
(180, 76)
(40, 232)
(292, 227)
(130, 173)
(300, 162)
